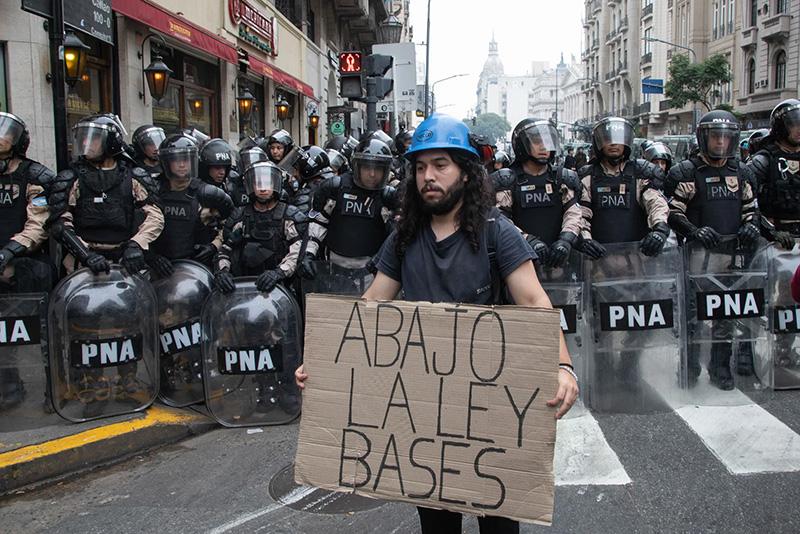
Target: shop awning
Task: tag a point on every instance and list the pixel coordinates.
(168, 23)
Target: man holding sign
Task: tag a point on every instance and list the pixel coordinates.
(444, 251)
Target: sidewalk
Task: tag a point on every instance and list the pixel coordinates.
(61, 448)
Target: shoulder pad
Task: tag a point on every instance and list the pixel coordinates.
(570, 179)
(390, 197)
(759, 165)
(747, 174)
(503, 179)
(330, 188)
(586, 170)
(144, 178)
(649, 171)
(40, 175)
(295, 215)
(682, 172)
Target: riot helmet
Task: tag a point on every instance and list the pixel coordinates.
(372, 162)
(146, 140)
(536, 140)
(501, 160)
(279, 138)
(657, 153)
(178, 157)
(336, 161)
(757, 139)
(785, 122)
(718, 135)
(14, 139)
(345, 145)
(199, 137)
(313, 161)
(250, 156)
(216, 153)
(262, 181)
(98, 137)
(380, 135)
(403, 141)
(612, 131)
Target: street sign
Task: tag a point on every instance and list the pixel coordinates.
(337, 128)
(652, 86)
(385, 107)
(92, 18)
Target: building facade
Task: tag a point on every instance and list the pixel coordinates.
(290, 49)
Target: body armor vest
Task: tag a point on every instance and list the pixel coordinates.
(264, 242)
(104, 212)
(13, 202)
(356, 228)
(617, 215)
(717, 199)
(537, 206)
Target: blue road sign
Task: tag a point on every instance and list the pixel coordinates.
(652, 86)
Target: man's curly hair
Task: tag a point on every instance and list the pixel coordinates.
(476, 202)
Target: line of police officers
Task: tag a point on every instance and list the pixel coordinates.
(281, 209)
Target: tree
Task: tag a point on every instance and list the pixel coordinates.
(696, 82)
(490, 126)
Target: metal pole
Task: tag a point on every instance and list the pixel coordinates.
(59, 84)
(427, 58)
(372, 101)
(395, 121)
(556, 113)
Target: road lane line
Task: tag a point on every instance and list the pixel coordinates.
(299, 493)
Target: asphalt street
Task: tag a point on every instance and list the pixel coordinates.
(670, 476)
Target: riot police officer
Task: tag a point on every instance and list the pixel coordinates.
(313, 168)
(342, 144)
(146, 140)
(216, 162)
(193, 210)
(403, 140)
(93, 203)
(776, 167)
(710, 196)
(621, 199)
(540, 197)
(279, 144)
(263, 238)
(24, 267)
(501, 160)
(659, 154)
(337, 162)
(352, 212)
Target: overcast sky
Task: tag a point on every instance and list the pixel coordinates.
(525, 31)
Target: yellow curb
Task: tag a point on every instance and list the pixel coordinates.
(154, 416)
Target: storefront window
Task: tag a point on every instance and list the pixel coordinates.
(191, 101)
(3, 91)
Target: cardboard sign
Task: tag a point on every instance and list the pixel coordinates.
(438, 405)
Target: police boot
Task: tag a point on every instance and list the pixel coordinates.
(12, 389)
(94, 392)
(719, 368)
(744, 359)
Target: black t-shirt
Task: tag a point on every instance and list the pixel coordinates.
(449, 270)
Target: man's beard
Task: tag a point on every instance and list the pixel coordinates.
(445, 204)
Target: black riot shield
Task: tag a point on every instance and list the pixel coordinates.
(180, 302)
(784, 318)
(636, 329)
(566, 289)
(726, 323)
(333, 279)
(24, 396)
(251, 348)
(103, 332)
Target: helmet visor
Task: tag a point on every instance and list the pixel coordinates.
(11, 131)
(614, 132)
(718, 140)
(371, 172)
(179, 163)
(791, 120)
(539, 140)
(149, 140)
(262, 179)
(251, 156)
(89, 140)
(336, 160)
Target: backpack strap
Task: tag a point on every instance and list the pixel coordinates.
(498, 287)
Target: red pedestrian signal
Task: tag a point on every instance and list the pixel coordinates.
(350, 62)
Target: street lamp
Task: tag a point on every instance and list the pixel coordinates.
(390, 29)
(245, 102)
(427, 57)
(282, 108)
(694, 58)
(157, 73)
(433, 85)
(74, 58)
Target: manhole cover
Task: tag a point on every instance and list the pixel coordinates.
(286, 491)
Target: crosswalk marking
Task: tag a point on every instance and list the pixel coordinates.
(582, 455)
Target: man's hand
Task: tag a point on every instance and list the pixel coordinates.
(97, 263)
(133, 258)
(539, 247)
(592, 248)
(566, 395)
(224, 281)
(203, 253)
(161, 265)
(300, 377)
(653, 243)
(307, 267)
(267, 281)
(707, 236)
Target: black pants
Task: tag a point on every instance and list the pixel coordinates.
(444, 522)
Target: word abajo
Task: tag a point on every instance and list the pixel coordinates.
(391, 330)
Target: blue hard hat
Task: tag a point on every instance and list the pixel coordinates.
(442, 132)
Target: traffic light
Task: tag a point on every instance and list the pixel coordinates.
(350, 75)
(377, 64)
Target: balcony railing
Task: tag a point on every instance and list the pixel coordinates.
(647, 10)
(623, 68)
(648, 57)
(749, 37)
(644, 107)
(623, 24)
(776, 27)
(664, 105)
